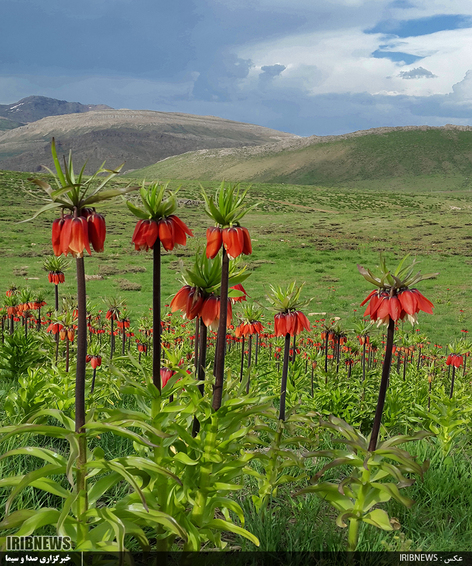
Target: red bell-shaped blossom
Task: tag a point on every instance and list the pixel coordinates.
(95, 361)
(171, 231)
(407, 303)
(210, 312)
(56, 236)
(239, 287)
(74, 236)
(96, 230)
(166, 374)
(236, 241)
(245, 329)
(214, 241)
(145, 234)
(292, 323)
(56, 277)
(455, 359)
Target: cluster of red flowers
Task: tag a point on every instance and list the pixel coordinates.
(236, 241)
(95, 361)
(56, 277)
(170, 230)
(74, 234)
(193, 303)
(382, 307)
(291, 323)
(249, 328)
(455, 359)
(32, 305)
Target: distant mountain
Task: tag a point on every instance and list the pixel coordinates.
(34, 108)
(136, 137)
(387, 155)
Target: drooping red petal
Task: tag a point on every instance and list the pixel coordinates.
(383, 310)
(302, 322)
(179, 302)
(181, 230)
(394, 308)
(97, 231)
(79, 239)
(194, 304)
(166, 374)
(368, 297)
(137, 233)
(65, 234)
(291, 319)
(247, 246)
(423, 304)
(214, 241)
(209, 312)
(408, 301)
(166, 234)
(280, 326)
(233, 241)
(56, 236)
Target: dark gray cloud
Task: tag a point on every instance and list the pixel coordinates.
(417, 73)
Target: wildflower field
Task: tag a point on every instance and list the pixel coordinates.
(193, 369)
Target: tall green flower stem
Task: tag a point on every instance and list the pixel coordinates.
(283, 385)
(221, 338)
(156, 315)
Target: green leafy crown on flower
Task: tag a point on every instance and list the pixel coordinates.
(401, 278)
(72, 190)
(227, 208)
(206, 274)
(286, 299)
(57, 264)
(155, 206)
(251, 313)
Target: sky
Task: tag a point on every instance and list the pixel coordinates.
(308, 67)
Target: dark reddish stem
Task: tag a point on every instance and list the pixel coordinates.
(383, 386)
(81, 347)
(220, 352)
(156, 315)
(283, 386)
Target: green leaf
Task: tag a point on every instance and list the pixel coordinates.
(184, 459)
(43, 453)
(28, 479)
(137, 211)
(378, 518)
(155, 517)
(57, 165)
(226, 526)
(40, 518)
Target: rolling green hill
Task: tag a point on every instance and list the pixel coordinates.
(389, 155)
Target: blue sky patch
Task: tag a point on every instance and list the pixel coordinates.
(421, 26)
(396, 56)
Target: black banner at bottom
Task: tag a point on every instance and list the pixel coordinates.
(231, 558)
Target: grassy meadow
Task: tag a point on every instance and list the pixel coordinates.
(313, 234)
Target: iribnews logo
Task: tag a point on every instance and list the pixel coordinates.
(38, 543)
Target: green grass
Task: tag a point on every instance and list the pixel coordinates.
(313, 234)
(385, 159)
